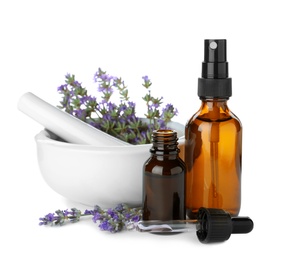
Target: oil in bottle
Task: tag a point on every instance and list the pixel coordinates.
(164, 179)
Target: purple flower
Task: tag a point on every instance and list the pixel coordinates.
(106, 77)
(143, 134)
(88, 100)
(80, 113)
(105, 225)
(162, 124)
(66, 212)
(52, 219)
(101, 76)
(89, 212)
(132, 120)
(112, 220)
(96, 217)
(83, 99)
(127, 215)
(62, 87)
(94, 124)
(153, 106)
(76, 84)
(169, 111)
(119, 120)
(131, 104)
(122, 108)
(132, 217)
(107, 117)
(111, 213)
(105, 89)
(135, 218)
(120, 207)
(48, 219)
(170, 107)
(146, 79)
(91, 99)
(111, 106)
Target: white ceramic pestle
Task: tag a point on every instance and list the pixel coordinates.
(64, 125)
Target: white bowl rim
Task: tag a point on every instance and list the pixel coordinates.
(45, 137)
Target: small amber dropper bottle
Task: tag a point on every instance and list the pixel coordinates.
(213, 146)
(163, 179)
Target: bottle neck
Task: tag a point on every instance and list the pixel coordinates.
(164, 142)
(214, 107)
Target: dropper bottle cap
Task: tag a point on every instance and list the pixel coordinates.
(214, 81)
(216, 225)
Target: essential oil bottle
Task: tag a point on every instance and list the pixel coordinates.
(213, 145)
(164, 179)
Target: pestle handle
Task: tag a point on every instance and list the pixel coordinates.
(64, 125)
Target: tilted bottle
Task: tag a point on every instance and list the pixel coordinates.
(213, 145)
(163, 179)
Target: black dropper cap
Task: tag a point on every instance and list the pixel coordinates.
(216, 225)
(214, 81)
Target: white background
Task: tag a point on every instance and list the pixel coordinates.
(41, 41)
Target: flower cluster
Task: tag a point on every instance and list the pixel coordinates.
(112, 220)
(60, 216)
(156, 118)
(120, 119)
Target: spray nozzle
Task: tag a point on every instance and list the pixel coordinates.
(215, 65)
(215, 51)
(214, 81)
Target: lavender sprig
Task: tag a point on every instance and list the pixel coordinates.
(112, 220)
(60, 217)
(117, 119)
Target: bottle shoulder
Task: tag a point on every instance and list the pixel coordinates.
(205, 116)
(164, 166)
(214, 110)
(229, 123)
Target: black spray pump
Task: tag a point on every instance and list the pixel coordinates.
(214, 81)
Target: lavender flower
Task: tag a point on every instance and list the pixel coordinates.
(147, 82)
(168, 113)
(112, 220)
(117, 119)
(59, 217)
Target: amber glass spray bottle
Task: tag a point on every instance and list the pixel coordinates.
(213, 144)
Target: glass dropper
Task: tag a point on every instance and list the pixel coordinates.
(171, 226)
(211, 225)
